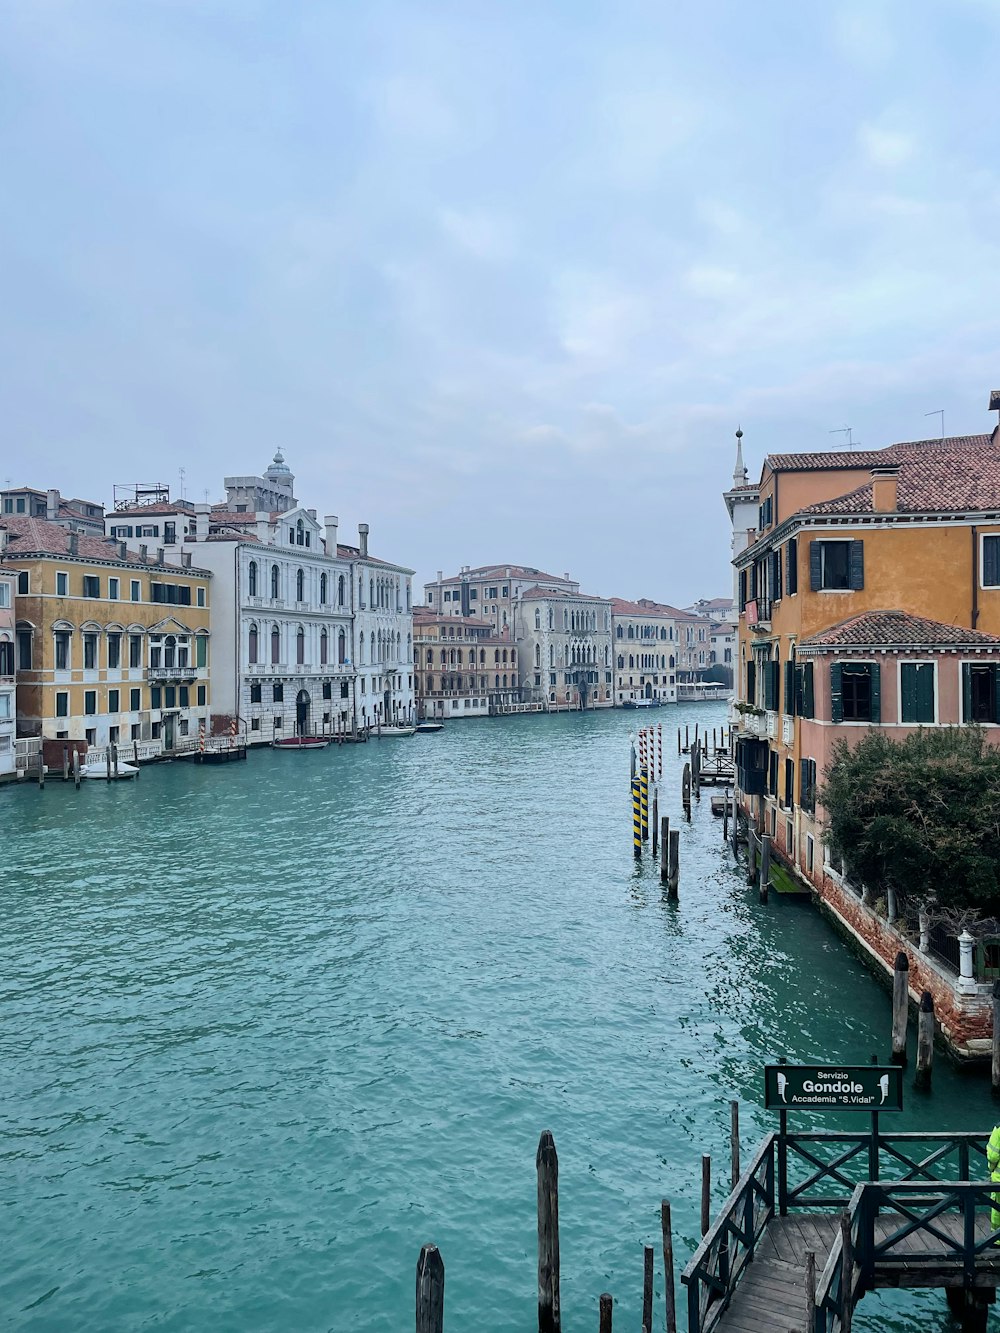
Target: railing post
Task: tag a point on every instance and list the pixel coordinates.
(969, 1237)
(846, 1273)
(810, 1291)
(782, 1163)
(963, 1160)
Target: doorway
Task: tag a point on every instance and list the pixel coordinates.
(302, 713)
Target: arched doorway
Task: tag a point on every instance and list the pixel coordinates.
(649, 691)
(302, 713)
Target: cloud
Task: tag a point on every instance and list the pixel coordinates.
(885, 148)
(484, 235)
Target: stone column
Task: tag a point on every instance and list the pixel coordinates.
(966, 981)
(925, 932)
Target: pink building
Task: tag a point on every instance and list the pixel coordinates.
(8, 711)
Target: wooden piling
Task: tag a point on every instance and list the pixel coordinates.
(65, 763)
(655, 820)
(647, 1287)
(900, 1007)
(664, 848)
(668, 1266)
(751, 856)
(687, 738)
(996, 1037)
(810, 1291)
(706, 1193)
(674, 863)
(846, 1271)
(679, 751)
(430, 1290)
(41, 767)
(76, 768)
(114, 756)
(736, 827)
(547, 1166)
(734, 1143)
(925, 1041)
(107, 762)
(765, 866)
(606, 1308)
(686, 790)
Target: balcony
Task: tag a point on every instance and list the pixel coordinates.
(758, 614)
(172, 675)
(763, 727)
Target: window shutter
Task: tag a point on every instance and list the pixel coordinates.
(775, 685)
(996, 693)
(808, 700)
(792, 563)
(743, 589)
(857, 564)
(836, 696)
(908, 690)
(777, 576)
(991, 562)
(815, 566)
(804, 782)
(966, 691)
(925, 692)
(751, 682)
(790, 688)
(875, 674)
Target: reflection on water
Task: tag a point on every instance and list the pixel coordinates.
(269, 1028)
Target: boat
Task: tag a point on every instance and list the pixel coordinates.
(98, 768)
(640, 703)
(301, 743)
(394, 731)
(425, 728)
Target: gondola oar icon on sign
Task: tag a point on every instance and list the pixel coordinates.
(782, 1085)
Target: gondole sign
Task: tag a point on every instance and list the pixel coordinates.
(833, 1087)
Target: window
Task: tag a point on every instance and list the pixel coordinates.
(114, 652)
(765, 513)
(62, 650)
(134, 700)
(113, 701)
(169, 533)
(323, 584)
(980, 682)
(90, 652)
(805, 705)
(807, 785)
(23, 583)
(278, 692)
(916, 692)
(300, 647)
(275, 582)
(253, 645)
(810, 853)
(184, 695)
(155, 696)
(201, 596)
(114, 589)
(135, 651)
(491, 593)
(789, 800)
(62, 585)
(252, 578)
(175, 594)
(255, 691)
(202, 696)
(855, 694)
(340, 591)
(170, 696)
(991, 562)
(62, 703)
(136, 591)
(836, 565)
(91, 585)
(324, 649)
(275, 646)
(90, 702)
(300, 586)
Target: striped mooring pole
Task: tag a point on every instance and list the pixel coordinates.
(636, 821)
(201, 737)
(644, 801)
(659, 749)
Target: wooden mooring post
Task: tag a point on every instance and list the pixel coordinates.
(674, 863)
(810, 1301)
(655, 828)
(607, 1306)
(846, 1271)
(668, 1266)
(430, 1290)
(765, 866)
(65, 763)
(647, 1287)
(664, 848)
(706, 1193)
(686, 790)
(547, 1165)
(734, 1143)
(76, 768)
(925, 1041)
(41, 768)
(900, 1007)
(996, 1037)
(751, 856)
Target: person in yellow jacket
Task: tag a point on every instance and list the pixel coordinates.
(993, 1161)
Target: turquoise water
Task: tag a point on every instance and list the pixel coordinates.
(268, 1028)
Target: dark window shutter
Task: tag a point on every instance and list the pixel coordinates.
(808, 697)
(777, 575)
(857, 564)
(743, 589)
(908, 689)
(790, 688)
(925, 692)
(792, 566)
(836, 696)
(991, 562)
(996, 694)
(815, 566)
(751, 682)
(804, 782)
(966, 691)
(775, 685)
(875, 676)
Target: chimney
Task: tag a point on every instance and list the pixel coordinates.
(122, 551)
(52, 505)
(74, 543)
(143, 552)
(185, 559)
(312, 514)
(3, 538)
(363, 539)
(332, 523)
(566, 577)
(885, 485)
(159, 555)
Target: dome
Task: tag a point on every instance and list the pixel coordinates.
(279, 469)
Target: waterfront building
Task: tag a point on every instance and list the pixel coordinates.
(725, 645)
(644, 652)
(110, 644)
(563, 643)
(313, 636)
(719, 609)
(462, 667)
(8, 680)
(76, 515)
(491, 592)
(694, 647)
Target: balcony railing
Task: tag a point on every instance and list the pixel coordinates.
(758, 612)
(182, 674)
(764, 726)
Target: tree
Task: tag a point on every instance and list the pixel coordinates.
(719, 674)
(920, 816)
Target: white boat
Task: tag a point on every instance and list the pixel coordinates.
(394, 731)
(98, 768)
(425, 728)
(301, 743)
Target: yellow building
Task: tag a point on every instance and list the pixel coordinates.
(111, 645)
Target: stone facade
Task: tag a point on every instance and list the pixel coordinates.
(462, 667)
(564, 649)
(644, 651)
(8, 682)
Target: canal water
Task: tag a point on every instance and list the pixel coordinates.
(267, 1029)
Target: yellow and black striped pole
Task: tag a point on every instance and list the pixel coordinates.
(636, 821)
(644, 801)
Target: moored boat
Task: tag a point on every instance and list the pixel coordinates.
(425, 728)
(301, 743)
(394, 731)
(98, 768)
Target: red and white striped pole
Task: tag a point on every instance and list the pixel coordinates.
(659, 749)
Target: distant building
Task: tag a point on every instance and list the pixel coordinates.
(462, 667)
(742, 501)
(725, 646)
(564, 648)
(722, 609)
(694, 647)
(76, 515)
(490, 592)
(644, 650)
(8, 682)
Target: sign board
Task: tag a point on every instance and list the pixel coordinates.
(833, 1087)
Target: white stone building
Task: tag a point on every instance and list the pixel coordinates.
(742, 501)
(8, 681)
(563, 642)
(491, 592)
(383, 636)
(644, 650)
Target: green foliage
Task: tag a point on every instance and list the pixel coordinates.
(718, 673)
(921, 816)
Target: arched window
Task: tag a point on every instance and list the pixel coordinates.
(275, 645)
(300, 535)
(482, 657)
(621, 662)
(538, 654)
(170, 651)
(340, 590)
(513, 681)
(361, 591)
(252, 578)
(300, 585)
(631, 632)
(618, 632)
(496, 655)
(552, 655)
(538, 618)
(371, 591)
(253, 643)
(505, 680)
(300, 646)
(459, 657)
(341, 647)
(322, 589)
(550, 617)
(430, 684)
(275, 582)
(324, 648)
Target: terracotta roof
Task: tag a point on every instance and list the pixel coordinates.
(501, 572)
(37, 536)
(868, 458)
(426, 616)
(897, 629)
(530, 594)
(949, 476)
(160, 507)
(621, 607)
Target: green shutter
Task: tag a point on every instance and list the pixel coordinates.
(925, 692)
(815, 566)
(201, 650)
(875, 675)
(752, 682)
(991, 562)
(966, 691)
(857, 554)
(775, 685)
(808, 696)
(996, 693)
(836, 696)
(790, 688)
(908, 690)
(792, 571)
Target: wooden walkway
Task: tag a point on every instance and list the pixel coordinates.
(771, 1297)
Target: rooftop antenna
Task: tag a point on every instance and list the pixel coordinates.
(180, 473)
(846, 430)
(938, 412)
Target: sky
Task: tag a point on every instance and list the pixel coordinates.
(500, 279)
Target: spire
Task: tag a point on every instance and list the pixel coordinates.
(739, 472)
